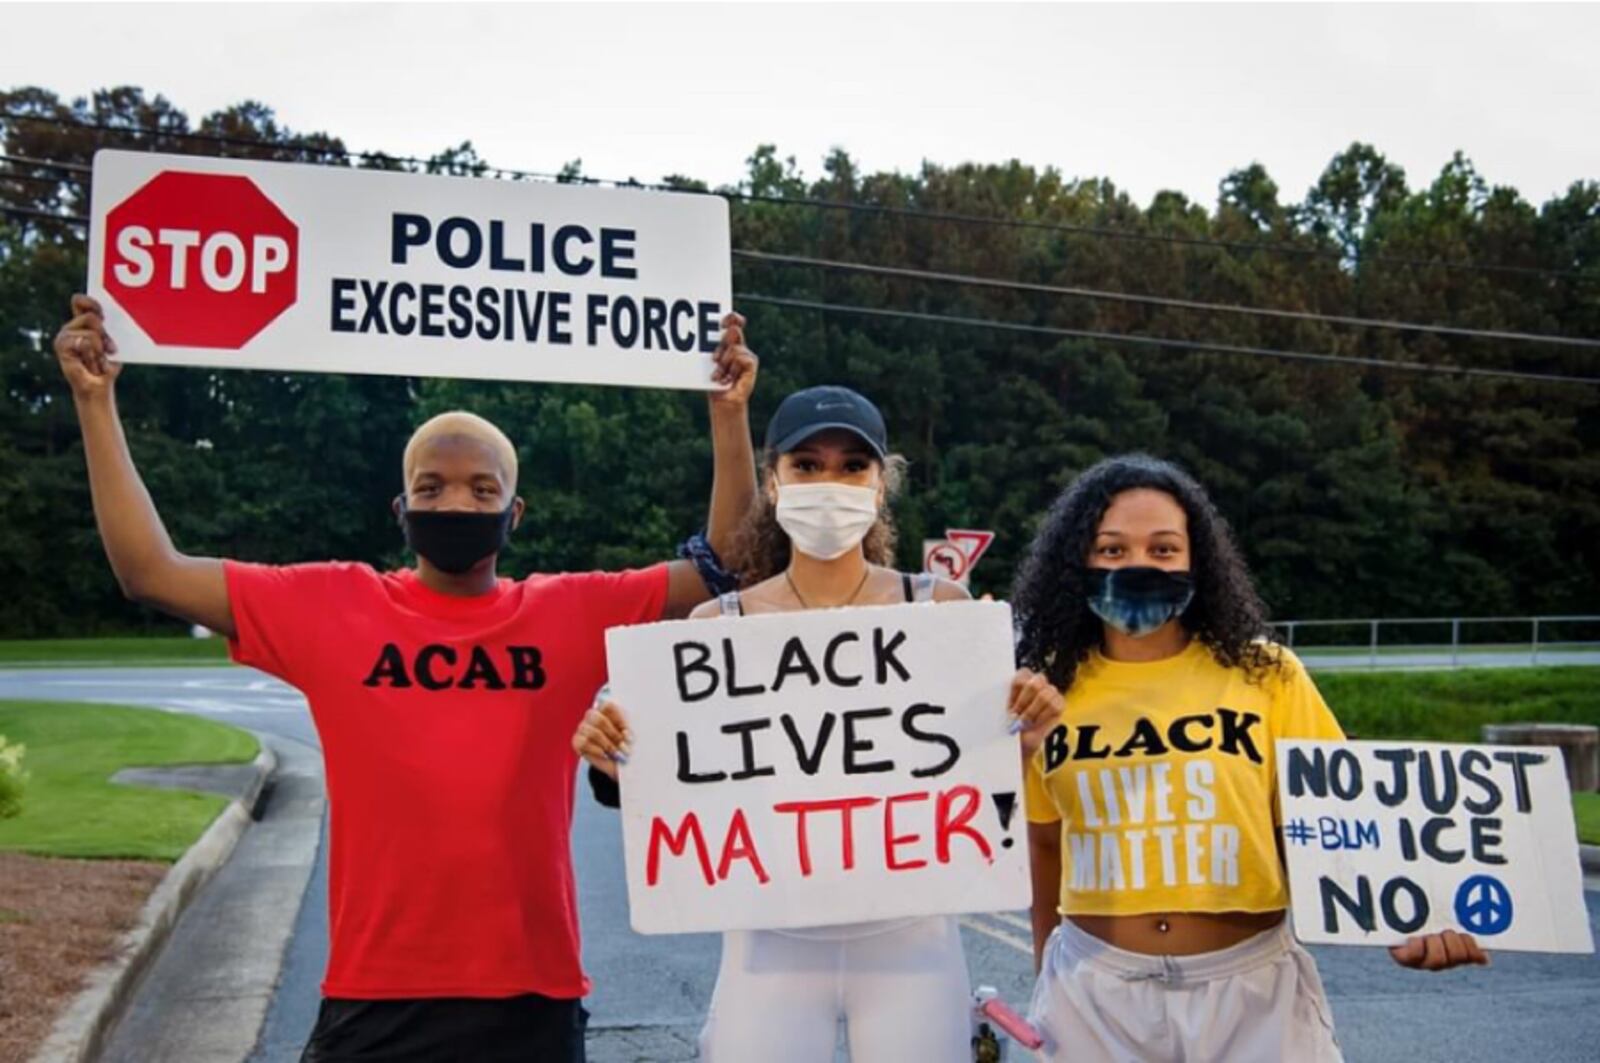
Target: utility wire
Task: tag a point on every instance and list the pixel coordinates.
(1163, 341)
(69, 167)
(1092, 293)
(1157, 300)
(1050, 330)
(34, 179)
(29, 212)
(827, 204)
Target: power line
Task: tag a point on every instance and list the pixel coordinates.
(1051, 330)
(1163, 341)
(47, 164)
(827, 204)
(29, 212)
(1158, 300)
(35, 179)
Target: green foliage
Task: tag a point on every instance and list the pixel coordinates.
(1586, 811)
(1353, 492)
(1453, 706)
(82, 653)
(73, 807)
(13, 779)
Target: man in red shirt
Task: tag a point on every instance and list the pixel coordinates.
(445, 697)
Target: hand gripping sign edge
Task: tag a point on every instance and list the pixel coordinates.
(200, 259)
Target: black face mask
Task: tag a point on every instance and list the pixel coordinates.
(1138, 600)
(455, 540)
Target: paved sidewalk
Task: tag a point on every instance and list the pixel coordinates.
(204, 999)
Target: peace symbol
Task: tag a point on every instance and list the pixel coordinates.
(1483, 905)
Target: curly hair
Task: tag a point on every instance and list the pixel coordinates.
(761, 546)
(1056, 631)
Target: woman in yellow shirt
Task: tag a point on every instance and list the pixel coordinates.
(1151, 803)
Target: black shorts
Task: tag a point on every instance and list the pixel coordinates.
(525, 1029)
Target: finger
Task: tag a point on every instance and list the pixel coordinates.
(617, 721)
(615, 731)
(612, 711)
(84, 304)
(1045, 705)
(1409, 954)
(79, 345)
(732, 319)
(89, 320)
(1017, 700)
(590, 740)
(739, 364)
(1475, 952)
(1433, 958)
(1455, 949)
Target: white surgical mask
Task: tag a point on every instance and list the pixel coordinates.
(825, 521)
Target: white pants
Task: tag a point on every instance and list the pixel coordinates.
(901, 988)
(1260, 1001)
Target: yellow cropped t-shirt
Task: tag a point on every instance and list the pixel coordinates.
(1163, 776)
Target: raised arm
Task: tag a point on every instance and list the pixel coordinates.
(733, 477)
(147, 566)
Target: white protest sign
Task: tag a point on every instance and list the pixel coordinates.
(823, 767)
(1389, 839)
(259, 265)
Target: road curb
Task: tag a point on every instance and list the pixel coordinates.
(1589, 857)
(80, 1032)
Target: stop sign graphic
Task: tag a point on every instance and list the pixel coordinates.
(200, 259)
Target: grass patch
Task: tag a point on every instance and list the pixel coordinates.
(1442, 649)
(9, 916)
(1586, 810)
(71, 808)
(123, 651)
(1454, 706)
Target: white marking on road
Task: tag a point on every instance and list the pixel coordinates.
(1024, 947)
(1012, 919)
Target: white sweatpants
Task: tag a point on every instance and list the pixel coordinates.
(901, 988)
(1260, 1001)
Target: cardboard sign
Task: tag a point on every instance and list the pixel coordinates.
(1389, 839)
(818, 768)
(257, 265)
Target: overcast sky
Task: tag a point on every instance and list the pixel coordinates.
(1153, 96)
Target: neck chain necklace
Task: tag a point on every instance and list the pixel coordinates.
(807, 605)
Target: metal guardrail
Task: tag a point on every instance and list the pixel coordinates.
(1538, 627)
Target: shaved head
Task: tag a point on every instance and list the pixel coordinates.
(460, 425)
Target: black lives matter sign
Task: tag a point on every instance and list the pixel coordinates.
(836, 766)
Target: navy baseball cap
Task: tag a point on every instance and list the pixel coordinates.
(805, 413)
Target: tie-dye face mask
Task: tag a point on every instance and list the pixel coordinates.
(1138, 600)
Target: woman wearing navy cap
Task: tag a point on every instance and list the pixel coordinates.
(820, 536)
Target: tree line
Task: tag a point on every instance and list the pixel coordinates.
(1355, 490)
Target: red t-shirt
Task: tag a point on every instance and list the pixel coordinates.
(446, 728)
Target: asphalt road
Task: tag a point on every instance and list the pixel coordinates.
(651, 992)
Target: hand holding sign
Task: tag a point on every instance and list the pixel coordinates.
(1436, 952)
(1035, 706)
(603, 738)
(84, 349)
(735, 365)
